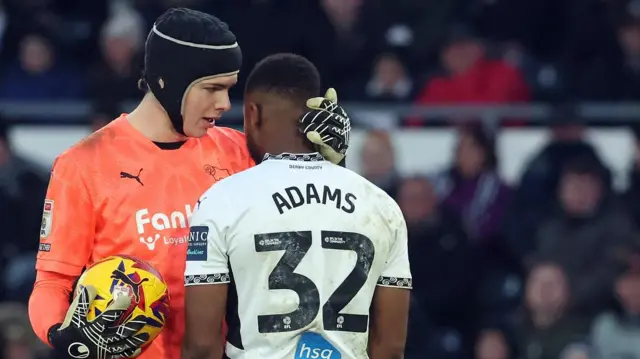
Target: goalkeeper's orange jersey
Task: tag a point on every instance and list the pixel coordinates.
(116, 192)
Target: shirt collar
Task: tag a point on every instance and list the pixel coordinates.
(286, 156)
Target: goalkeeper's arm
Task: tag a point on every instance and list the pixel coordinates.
(49, 302)
(327, 126)
(66, 243)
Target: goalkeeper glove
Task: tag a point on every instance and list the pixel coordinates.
(101, 338)
(327, 126)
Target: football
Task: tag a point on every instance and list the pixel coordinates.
(125, 275)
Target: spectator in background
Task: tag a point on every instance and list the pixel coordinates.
(611, 75)
(547, 327)
(23, 185)
(389, 84)
(472, 188)
(627, 84)
(377, 158)
(102, 114)
(3, 26)
(544, 80)
(632, 195)
(591, 59)
(537, 193)
(72, 25)
(584, 236)
(38, 76)
(492, 344)
(472, 77)
(21, 341)
(444, 271)
(115, 79)
(346, 54)
(616, 334)
(474, 192)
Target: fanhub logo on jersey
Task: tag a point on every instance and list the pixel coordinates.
(315, 346)
(161, 222)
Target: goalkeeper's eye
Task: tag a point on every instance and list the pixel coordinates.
(214, 89)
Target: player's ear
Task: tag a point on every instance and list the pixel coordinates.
(259, 121)
(252, 115)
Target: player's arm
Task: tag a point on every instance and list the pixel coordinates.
(49, 301)
(390, 307)
(206, 282)
(66, 242)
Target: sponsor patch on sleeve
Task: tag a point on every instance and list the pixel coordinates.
(197, 249)
(47, 217)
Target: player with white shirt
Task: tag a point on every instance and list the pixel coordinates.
(296, 252)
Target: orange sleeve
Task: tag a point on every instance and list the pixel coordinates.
(49, 302)
(68, 223)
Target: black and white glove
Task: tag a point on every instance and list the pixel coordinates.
(327, 126)
(100, 338)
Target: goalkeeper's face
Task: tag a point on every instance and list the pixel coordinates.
(204, 104)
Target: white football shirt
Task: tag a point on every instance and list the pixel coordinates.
(303, 244)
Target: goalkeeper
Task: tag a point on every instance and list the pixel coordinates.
(130, 187)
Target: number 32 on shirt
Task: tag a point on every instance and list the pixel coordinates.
(295, 246)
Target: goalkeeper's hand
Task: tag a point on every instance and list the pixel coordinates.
(101, 338)
(327, 126)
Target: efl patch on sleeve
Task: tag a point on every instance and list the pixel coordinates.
(44, 247)
(197, 250)
(47, 217)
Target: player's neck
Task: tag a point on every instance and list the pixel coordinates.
(153, 122)
(291, 145)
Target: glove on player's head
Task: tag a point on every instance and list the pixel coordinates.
(327, 126)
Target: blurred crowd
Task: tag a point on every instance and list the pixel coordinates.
(546, 268)
(404, 51)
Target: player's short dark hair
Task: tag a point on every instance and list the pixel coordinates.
(288, 75)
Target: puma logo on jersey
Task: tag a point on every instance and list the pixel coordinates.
(130, 176)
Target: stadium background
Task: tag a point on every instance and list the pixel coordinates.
(505, 129)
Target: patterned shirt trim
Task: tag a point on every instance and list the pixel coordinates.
(395, 282)
(200, 279)
(305, 157)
